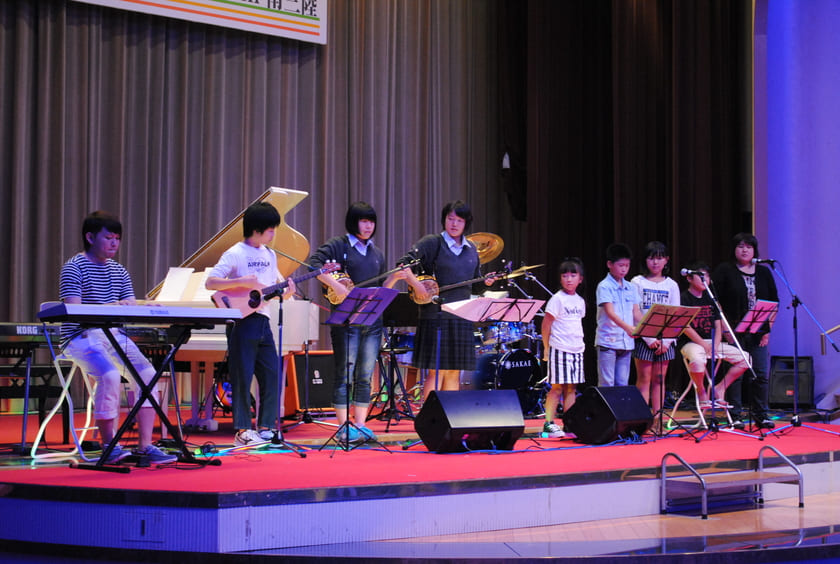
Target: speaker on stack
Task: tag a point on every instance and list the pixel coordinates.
(458, 421)
(603, 414)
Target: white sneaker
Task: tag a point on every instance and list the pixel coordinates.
(552, 431)
(247, 437)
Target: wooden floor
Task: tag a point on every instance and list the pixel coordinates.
(779, 532)
(779, 515)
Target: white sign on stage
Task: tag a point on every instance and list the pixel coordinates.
(304, 20)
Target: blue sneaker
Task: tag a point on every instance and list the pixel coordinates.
(349, 434)
(367, 433)
(155, 456)
(117, 454)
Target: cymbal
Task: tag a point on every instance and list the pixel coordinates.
(488, 245)
(523, 270)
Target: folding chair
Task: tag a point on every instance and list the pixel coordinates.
(701, 419)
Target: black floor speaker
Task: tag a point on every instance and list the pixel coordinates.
(317, 386)
(465, 420)
(603, 414)
(783, 375)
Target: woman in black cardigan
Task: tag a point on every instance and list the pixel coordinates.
(739, 283)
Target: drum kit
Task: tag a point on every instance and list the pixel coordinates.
(508, 352)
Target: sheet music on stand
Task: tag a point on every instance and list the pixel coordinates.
(495, 309)
(763, 312)
(362, 306)
(665, 321)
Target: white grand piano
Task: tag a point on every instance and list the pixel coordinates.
(184, 287)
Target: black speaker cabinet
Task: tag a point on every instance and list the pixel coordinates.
(453, 421)
(318, 384)
(782, 386)
(603, 414)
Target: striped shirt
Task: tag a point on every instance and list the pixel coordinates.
(94, 284)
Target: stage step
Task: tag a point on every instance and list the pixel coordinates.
(680, 492)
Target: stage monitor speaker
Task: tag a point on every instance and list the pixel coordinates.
(458, 421)
(603, 414)
(782, 377)
(320, 382)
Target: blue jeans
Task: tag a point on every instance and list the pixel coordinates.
(253, 352)
(356, 350)
(614, 366)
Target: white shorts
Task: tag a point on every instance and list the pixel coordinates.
(95, 355)
(697, 358)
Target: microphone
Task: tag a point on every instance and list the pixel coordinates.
(438, 300)
(687, 272)
(763, 261)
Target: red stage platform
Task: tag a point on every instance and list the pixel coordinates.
(263, 500)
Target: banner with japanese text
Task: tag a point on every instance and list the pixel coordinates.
(305, 20)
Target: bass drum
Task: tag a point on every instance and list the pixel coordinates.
(515, 370)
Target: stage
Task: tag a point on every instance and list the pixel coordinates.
(275, 502)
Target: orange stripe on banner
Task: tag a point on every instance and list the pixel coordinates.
(229, 18)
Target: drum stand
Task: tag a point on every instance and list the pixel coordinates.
(392, 378)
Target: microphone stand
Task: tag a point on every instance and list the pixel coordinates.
(277, 441)
(795, 303)
(713, 424)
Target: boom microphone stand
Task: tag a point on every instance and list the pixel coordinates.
(712, 423)
(795, 303)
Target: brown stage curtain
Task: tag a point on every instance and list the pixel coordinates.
(624, 120)
(177, 126)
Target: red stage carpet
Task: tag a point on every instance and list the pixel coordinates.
(370, 466)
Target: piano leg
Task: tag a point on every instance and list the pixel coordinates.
(201, 383)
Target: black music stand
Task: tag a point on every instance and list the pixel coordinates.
(482, 310)
(361, 308)
(402, 312)
(666, 322)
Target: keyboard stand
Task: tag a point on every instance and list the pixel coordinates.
(146, 393)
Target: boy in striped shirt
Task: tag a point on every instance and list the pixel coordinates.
(94, 277)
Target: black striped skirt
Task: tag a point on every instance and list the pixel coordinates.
(457, 344)
(565, 367)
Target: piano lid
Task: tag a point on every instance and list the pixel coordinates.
(286, 239)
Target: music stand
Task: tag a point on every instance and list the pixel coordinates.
(482, 310)
(666, 322)
(361, 308)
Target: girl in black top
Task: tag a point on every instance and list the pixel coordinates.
(739, 284)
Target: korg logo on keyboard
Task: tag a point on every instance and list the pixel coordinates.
(28, 330)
